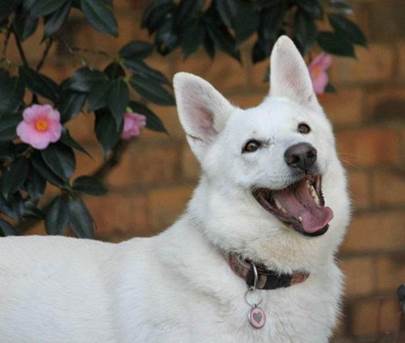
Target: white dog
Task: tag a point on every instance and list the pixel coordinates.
(251, 260)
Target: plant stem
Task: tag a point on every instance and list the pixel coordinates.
(112, 161)
(20, 49)
(44, 54)
(6, 41)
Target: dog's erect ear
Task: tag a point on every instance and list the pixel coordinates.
(203, 111)
(289, 75)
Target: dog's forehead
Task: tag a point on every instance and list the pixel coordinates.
(271, 116)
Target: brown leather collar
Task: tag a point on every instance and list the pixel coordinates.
(266, 278)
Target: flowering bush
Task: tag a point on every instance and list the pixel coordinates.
(36, 148)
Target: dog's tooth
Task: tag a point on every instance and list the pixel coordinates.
(279, 206)
(300, 219)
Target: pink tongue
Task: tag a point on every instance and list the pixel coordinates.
(299, 203)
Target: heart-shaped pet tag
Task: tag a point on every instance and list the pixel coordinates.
(257, 317)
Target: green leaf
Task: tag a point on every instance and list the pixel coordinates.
(60, 159)
(223, 39)
(136, 50)
(335, 44)
(68, 140)
(6, 8)
(155, 13)
(14, 177)
(71, 104)
(11, 92)
(7, 208)
(27, 4)
(312, 7)
(40, 84)
(227, 10)
(56, 20)
(106, 131)
(89, 185)
(192, 38)
(166, 37)
(118, 97)
(44, 7)
(84, 79)
(187, 11)
(7, 151)
(25, 25)
(57, 216)
(100, 15)
(6, 229)
(153, 122)
(330, 88)
(305, 31)
(98, 95)
(30, 210)
(114, 71)
(80, 219)
(35, 184)
(42, 168)
(246, 20)
(8, 124)
(347, 29)
(152, 90)
(142, 69)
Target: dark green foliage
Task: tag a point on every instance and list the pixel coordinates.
(89, 185)
(125, 83)
(187, 25)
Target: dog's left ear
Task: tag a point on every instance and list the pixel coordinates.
(289, 75)
(203, 111)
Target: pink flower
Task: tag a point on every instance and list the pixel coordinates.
(133, 123)
(318, 71)
(40, 126)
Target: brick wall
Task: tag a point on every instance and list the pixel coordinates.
(155, 179)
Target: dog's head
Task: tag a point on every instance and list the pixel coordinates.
(271, 174)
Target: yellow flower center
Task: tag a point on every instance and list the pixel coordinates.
(41, 125)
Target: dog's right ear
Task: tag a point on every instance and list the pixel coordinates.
(203, 111)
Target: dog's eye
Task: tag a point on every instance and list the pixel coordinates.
(304, 128)
(251, 146)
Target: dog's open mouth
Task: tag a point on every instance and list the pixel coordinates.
(301, 205)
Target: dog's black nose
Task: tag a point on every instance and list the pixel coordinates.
(301, 156)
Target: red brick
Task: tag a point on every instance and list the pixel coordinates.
(247, 99)
(390, 272)
(371, 65)
(359, 275)
(389, 187)
(120, 217)
(385, 104)
(86, 165)
(145, 163)
(167, 204)
(343, 107)
(258, 74)
(224, 73)
(190, 167)
(359, 182)
(401, 62)
(369, 146)
(378, 231)
(375, 316)
(81, 127)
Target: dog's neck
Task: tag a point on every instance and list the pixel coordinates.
(259, 276)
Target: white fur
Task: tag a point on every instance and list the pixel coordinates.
(177, 286)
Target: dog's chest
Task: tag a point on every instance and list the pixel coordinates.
(200, 318)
